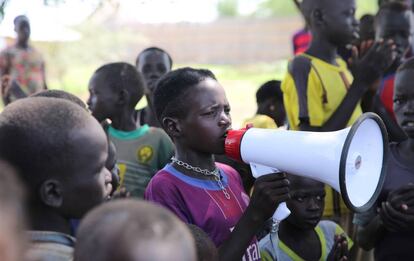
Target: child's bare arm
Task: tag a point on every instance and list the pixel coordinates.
(269, 192)
(395, 132)
(367, 236)
(366, 70)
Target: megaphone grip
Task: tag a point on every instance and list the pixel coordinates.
(281, 212)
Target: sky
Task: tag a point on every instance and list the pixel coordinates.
(53, 22)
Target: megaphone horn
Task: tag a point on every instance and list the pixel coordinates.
(352, 160)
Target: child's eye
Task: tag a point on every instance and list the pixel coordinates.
(299, 198)
(351, 12)
(227, 110)
(208, 113)
(399, 101)
(319, 198)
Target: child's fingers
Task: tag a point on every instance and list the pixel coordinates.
(271, 177)
(406, 200)
(392, 217)
(409, 202)
(280, 192)
(364, 47)
(370, 43)
(281, 198)
(344, 249)
(355, 53)
(271, 182)
(402, 190)
(387, 49)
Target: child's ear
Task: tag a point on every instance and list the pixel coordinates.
(172, 126)
(51, 193)
(317, 17)
(123, 96)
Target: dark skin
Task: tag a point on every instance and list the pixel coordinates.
(395, 26)
(298, 230)
(152, 64)
(396, 214)
(200, 134)
(60, 198)
(333, 25)
(22, 29)
(107, 103)
(274, 109)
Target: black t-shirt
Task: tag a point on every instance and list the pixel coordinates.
(395, 245)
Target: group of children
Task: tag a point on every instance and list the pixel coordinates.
(183, 204)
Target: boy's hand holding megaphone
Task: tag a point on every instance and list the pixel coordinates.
(269, 191)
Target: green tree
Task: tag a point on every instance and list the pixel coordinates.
(228, 8)
(272, 8)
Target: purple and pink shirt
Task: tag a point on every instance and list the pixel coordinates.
(203, 203)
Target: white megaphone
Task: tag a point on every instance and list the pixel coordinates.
(352, 160)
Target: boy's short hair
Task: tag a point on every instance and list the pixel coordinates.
(122, 229)
(123, 76)
(382, 2)
(34, 137)
(62, 95)
(156, 49)
(268, 90)
(406, 65)
(169, 94)
(19, 19)
(395, 6)
(205, 247)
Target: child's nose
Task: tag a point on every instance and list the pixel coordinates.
(314, 204)
(410, 107)
(225, 119)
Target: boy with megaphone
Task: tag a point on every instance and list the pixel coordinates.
(193, 109)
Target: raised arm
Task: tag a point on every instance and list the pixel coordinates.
(366, 71)
(269, 192)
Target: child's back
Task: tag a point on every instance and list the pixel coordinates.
(115, 89)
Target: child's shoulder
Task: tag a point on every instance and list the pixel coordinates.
(158, 132)
(232, 174)
(328, 225)
(329, 230)
(162, 181)
(300, 64)
(162, 176)
(227, 169)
